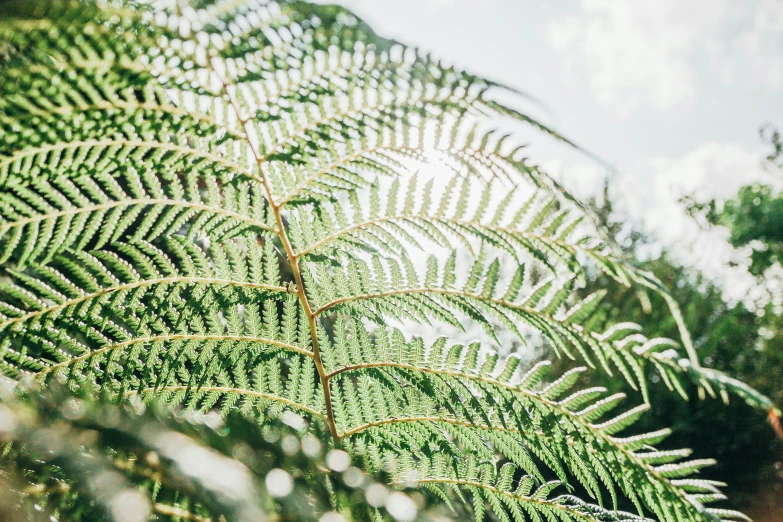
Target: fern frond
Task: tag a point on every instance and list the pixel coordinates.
(455, 399)
(392, 288)
(43, 218)
(213, 205)
(536, 228)
(508, 498)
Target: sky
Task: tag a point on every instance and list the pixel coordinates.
(671, 93)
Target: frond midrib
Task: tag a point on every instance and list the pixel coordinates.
(228, 389)
(173, 337)
(128, 106)
(87, 209)
(293, 261)
(187, 151)
(450, 221)
(140, 284)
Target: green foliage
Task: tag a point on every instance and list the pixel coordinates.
(734, 338)
(730, 338)
(754, 216)
(245, 208)
(772, 135)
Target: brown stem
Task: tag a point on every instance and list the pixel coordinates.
(294, 262)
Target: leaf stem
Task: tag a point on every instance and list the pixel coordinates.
(292, 259)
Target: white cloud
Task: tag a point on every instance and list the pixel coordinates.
(764, 45)
(712, 170)
(648, 198)
(654, 53)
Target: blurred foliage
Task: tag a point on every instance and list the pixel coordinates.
(772, 135)
(68, 457)
(754, 216)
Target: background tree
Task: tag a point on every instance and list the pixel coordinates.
(729, 337)
(754, 216)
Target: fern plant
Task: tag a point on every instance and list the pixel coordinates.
(262, 208)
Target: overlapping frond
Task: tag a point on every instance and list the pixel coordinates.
(392, 288)
(508, 498)
(215, 204)
(451, 400)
